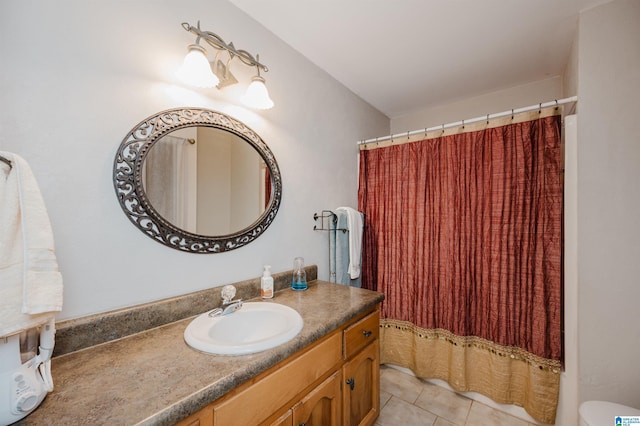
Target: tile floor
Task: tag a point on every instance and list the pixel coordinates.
(407, 400)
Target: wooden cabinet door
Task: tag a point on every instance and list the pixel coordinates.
(321, 406)
(285, 420)
(361, 388)
(259, 401)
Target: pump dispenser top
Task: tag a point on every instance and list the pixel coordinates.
(266, 283)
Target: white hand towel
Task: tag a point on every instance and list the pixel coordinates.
(30, 283)
(355, 225)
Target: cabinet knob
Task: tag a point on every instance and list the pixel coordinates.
(351, 383)
(366, 333)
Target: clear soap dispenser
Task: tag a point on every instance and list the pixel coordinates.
(266, 283)
(299, 279)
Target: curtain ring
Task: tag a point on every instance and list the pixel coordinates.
(443, 128)
(407, 135)
(556, 104)
(487, 118)
(511, 113)
(376, 141)
(463, 124)
(425, 132)
(540, 108)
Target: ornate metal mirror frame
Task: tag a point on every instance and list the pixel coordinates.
(128, 182)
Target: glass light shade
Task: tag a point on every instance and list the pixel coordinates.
(257, 95)
(196, 69)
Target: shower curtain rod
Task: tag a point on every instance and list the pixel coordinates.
(473, 120)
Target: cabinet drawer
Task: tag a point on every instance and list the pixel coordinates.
(360, 334)
(257, 402)
(203, 417)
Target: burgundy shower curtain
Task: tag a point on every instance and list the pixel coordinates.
(463, 236)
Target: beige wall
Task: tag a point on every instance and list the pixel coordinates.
(570, 76)
(77, 76)
(214, 175)
(609, 202)
(245, 186)
(502, 100)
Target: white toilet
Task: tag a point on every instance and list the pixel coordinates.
(603, 413)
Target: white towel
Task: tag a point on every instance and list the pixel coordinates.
(354, 224)
(30, 283)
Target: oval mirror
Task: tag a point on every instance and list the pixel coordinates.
(197, 180)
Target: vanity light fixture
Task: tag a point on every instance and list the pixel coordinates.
(257, 95)
(196, 70)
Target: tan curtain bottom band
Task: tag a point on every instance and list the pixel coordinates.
(507, 375)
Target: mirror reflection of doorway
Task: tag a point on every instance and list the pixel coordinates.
(207, 181)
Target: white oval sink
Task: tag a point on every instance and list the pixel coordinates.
(255, 327)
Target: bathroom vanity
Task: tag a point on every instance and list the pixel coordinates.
(334, 381)
(327, 374)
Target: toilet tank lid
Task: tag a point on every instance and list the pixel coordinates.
(604, 412)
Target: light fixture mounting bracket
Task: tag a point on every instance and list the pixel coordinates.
(218, 43)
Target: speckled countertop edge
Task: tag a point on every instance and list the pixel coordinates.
(76, 334)
(154, 378)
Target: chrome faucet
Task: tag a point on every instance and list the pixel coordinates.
(232, 307)
(229, 304)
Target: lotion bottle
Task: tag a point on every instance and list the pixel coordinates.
(266, 283)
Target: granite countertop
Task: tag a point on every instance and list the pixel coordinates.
(155, 378)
